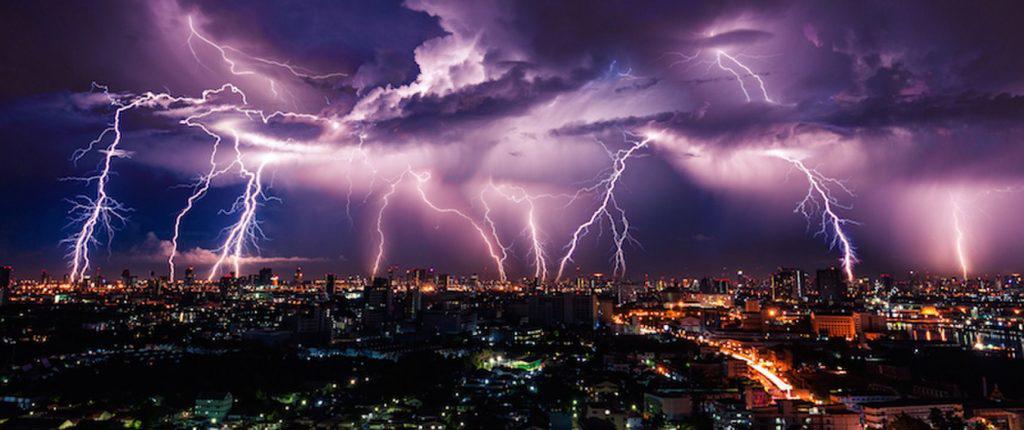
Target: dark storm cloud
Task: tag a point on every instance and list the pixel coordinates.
(922, 91)
(992, 109)
(558, 32)
(510, 94)
(372, 41)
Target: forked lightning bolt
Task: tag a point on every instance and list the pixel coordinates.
(236, 69)
(518, 194)
(607, 209)
(728, 63)
(103, 209)
(719, 54)
(420, 179)
(244, 231)
(820, 201)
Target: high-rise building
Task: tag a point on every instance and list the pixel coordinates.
(329, 284)
(829, 284)
(789, 284)
(190, 276)
(414, 303)
(266, 277)
(126, 278)
(297, 280)
(444, 282)
(378, 305)
(5, 284)
(418, 276)
(227, 283)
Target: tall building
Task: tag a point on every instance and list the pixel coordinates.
(418, 276)
(266, 277)
(378, 305)
(126, 278)
(190, 276)
(830, 285)
(789, 284)
(227, 283)
(329, 284)
(297, 280)
(414, 303)
(5, 284)
(444, 281)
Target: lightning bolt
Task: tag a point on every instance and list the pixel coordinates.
(517, 194)
(719, 54)
(361, 153)
(608, 209)
(385, 200)
(235, 69)
(421, 178)
(727, 63)
(958, 243)
(98, 213)
(502, 253)
(247, 227)
(102, 210)
(820, 201)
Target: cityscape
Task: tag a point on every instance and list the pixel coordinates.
(564, 215)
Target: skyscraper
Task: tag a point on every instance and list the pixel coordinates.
(789, 284)
(378, 305)
(829, 284)
(126, 278)
(5, 284)
(265, 277)
(329, 283)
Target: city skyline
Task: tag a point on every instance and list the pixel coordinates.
(665, 141)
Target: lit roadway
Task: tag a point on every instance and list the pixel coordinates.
(762, 367)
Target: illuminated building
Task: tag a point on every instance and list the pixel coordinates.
(214, 406)
(879, 415)
(789, 285)
(845, 325)
(378, 305)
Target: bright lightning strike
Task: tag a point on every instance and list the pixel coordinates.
(245, 230)
(502, 249)
(494, 248)
(740, 76)
(235, 69)
(821, 201)
(518, 194)
(95, 214)
(608, 209)
(958, 243)
(101, 211)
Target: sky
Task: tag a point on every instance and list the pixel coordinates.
(512, 139)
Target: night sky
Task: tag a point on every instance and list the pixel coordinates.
(914, 108)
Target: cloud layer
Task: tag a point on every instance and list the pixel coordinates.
(912, 105)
